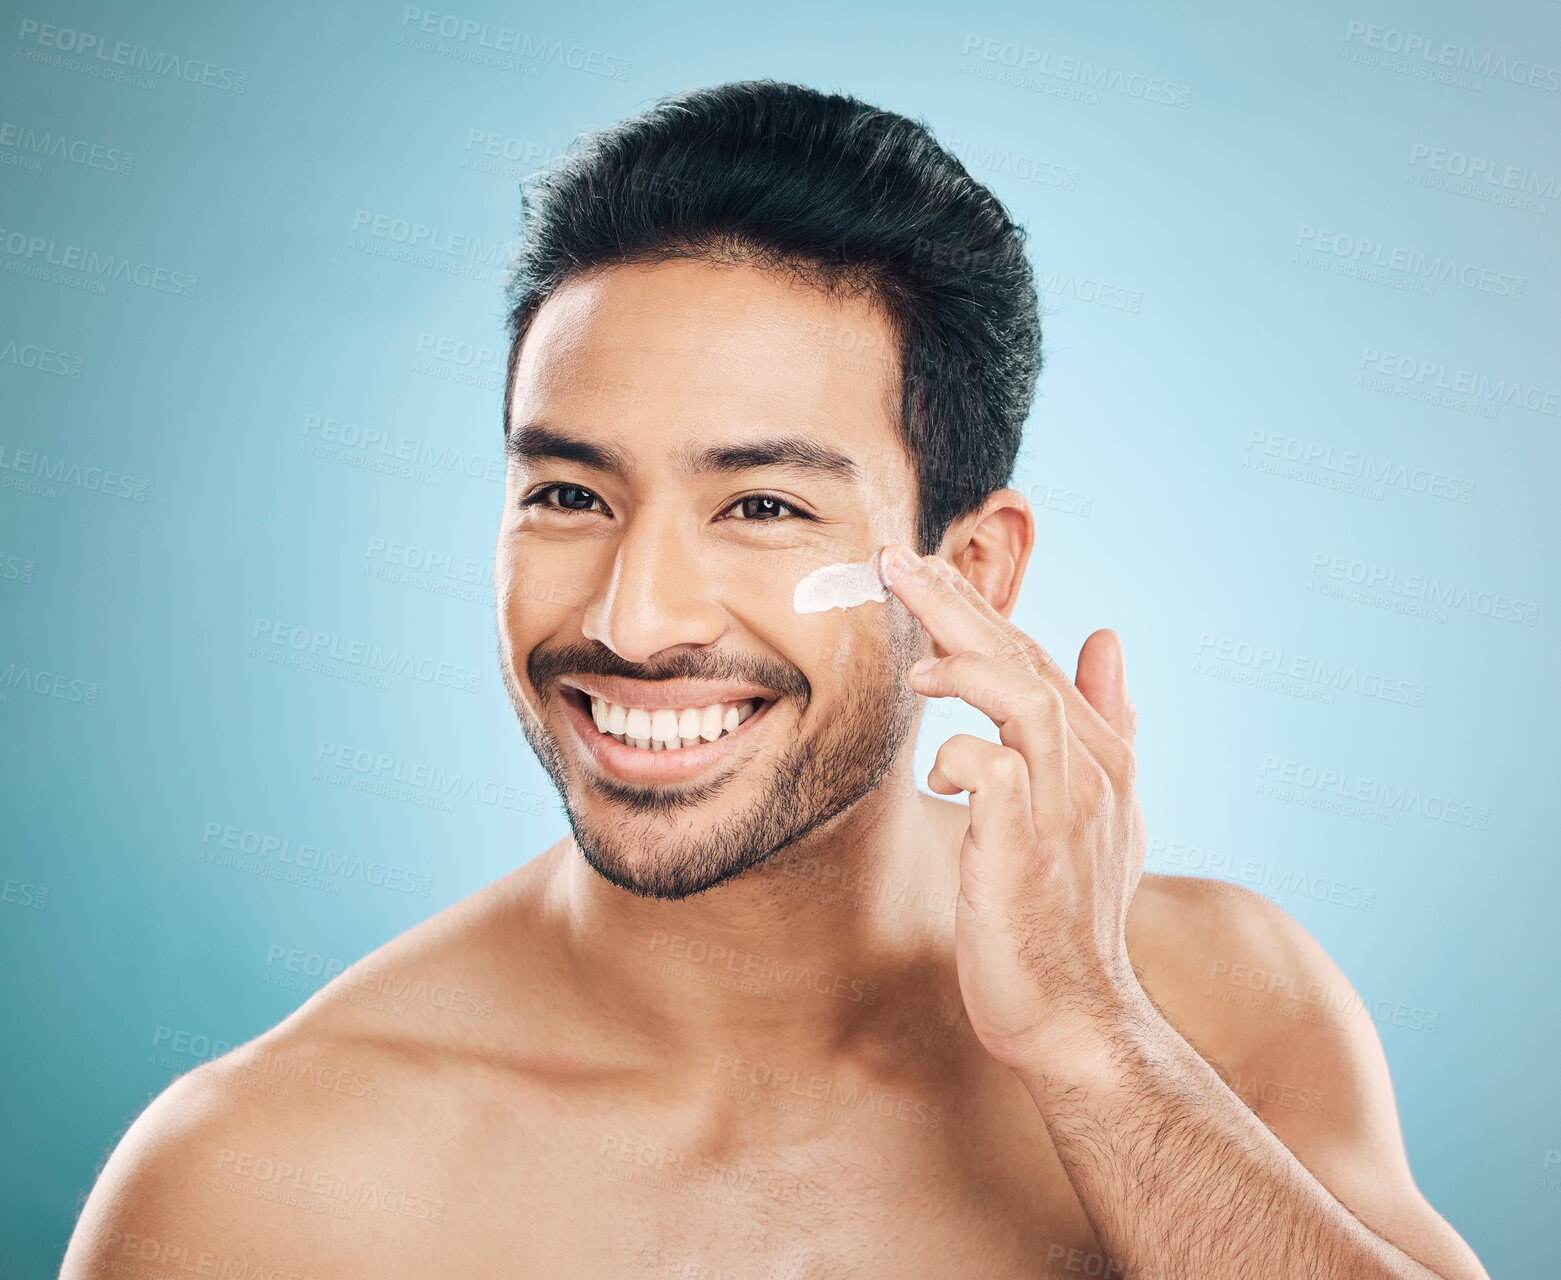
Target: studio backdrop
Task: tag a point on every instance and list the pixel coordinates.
(1296, 439)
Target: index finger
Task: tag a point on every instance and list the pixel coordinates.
(958, 617)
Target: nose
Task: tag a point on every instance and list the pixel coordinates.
(657, 596)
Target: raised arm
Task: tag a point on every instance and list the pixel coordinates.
(1179, 1177)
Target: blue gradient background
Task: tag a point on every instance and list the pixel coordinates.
(1145, 417)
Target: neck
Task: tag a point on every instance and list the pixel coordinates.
(819, 951)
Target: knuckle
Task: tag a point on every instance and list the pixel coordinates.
(1007, 766)
(1092, 781)
(1048, 703)
(1015, 646)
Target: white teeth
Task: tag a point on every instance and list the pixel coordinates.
(664, 726)
(668, 729)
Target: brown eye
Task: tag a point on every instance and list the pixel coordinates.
(563, 497)
(760, 507)
(574, 498)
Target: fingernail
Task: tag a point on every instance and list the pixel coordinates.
(903, 563)
(924, 665)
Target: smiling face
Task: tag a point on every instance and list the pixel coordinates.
(687, 442)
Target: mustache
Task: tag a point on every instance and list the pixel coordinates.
(545, 664)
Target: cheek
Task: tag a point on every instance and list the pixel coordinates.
(542, 564)
(536, 593)
(850, 650)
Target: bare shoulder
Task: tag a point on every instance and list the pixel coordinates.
(321, 1140)
(1246, 981)
(1249, 987)
(1264, 1003)
(1195, 940)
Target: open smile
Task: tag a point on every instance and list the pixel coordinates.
(661, 731)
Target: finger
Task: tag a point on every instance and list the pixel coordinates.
(999, 791)
(957, 617)
(1102, 680)
(1029, 716)
(954, 613)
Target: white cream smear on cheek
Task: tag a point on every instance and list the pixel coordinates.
(840, 586)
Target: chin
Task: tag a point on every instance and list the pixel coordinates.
(675, 842)
(666, 875)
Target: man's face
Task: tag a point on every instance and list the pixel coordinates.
(686, 443)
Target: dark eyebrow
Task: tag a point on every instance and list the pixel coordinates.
(794, 452)
(533, 440)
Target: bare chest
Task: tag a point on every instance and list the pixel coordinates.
(630, 1194)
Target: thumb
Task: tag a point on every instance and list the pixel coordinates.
(1102, 679)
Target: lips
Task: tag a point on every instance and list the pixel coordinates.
(647, 734)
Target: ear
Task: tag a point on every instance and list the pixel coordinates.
(991, 547)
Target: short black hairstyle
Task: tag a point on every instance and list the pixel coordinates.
(845, 196)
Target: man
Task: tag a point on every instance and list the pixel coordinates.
(770, 1010)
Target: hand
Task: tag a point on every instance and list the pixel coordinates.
(1055, 847)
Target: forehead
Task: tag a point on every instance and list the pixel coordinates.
(667, 353)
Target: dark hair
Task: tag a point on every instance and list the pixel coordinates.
(849, 198)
